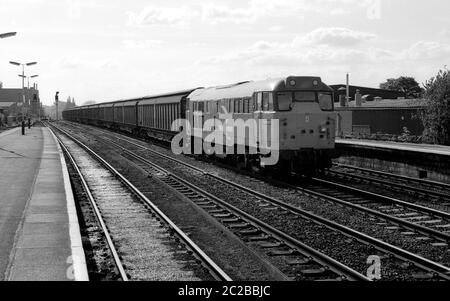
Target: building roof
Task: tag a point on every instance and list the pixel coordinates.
(4, 105)
(16, 95)
(384, 103)
(336, 87)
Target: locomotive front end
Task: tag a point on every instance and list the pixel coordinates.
(305, 111)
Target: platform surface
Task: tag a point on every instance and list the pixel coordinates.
(421, 148)
(39, 232)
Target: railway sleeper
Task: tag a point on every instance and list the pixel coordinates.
(248, 232)
(239, 225)
(283, 252)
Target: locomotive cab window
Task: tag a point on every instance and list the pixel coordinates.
(267, 101)
(251, 105)
(237, 106)
(246, 105)
(231, 107)
(325, 101)
(259, 99)
(305, 96)
(201, 106)
(284, 101)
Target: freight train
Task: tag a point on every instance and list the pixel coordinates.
(301, 107)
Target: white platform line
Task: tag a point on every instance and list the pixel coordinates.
(416, 148)
(78, 258)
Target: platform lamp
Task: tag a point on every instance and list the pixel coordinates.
(23, 70)
(7, 35)
(33, 76)
(23, 75)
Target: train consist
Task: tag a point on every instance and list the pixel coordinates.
(302, 106)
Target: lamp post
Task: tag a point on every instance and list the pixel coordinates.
(7, 35)
(23, 70)
(56, 103)
(28, 78)
(23, 78)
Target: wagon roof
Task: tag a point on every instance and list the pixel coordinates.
(103, 104)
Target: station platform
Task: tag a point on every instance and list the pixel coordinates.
(414, 160)
(39, 232)
(421, 148)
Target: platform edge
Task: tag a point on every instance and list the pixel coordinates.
(78, 259)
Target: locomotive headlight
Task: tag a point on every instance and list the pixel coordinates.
(316, 82)
(293, 83)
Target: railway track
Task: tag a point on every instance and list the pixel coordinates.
(430, 190)
(302, 260)
(143, 241)
(211, 203)
(434, 224)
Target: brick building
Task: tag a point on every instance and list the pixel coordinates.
(15, 103)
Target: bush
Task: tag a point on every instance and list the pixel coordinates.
(436, 115)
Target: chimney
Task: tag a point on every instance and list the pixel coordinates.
(358, 98)
(347, 97)
(341, 93)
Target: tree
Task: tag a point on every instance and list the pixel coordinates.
(407, 85)
(436, 114)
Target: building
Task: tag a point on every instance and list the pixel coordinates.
(384, 94)
(15, 103)
(50, 111)
(391, 117)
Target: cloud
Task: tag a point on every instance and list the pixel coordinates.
(70, 63)
(276, 28)
(213, 13)
(74, 8)
(323, 47)
(445, 33)
(426, 50)
(152, 16)
(76, 63)
(142, 44)
(339, 12)
(336, 36)
(108, 64)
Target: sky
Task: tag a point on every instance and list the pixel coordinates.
(105, 50)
